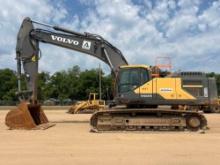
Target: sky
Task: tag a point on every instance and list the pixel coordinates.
(187, 31)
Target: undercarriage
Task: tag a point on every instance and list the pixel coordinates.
(147, 119)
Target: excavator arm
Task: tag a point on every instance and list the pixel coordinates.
(28, 52)
(29, 114)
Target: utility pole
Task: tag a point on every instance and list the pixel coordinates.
(100, 82)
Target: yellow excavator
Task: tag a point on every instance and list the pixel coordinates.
(91, 105)
(135, 87)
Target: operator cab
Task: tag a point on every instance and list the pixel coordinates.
(129, 78)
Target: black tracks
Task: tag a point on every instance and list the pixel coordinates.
(188, 116)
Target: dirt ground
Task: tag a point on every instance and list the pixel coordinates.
(70, 142)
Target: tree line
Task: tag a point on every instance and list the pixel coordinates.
(71, 84)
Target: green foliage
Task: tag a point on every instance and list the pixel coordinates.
(76, 84)
(8, 83)
(73, 84)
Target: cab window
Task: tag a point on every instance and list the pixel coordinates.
(131, 78)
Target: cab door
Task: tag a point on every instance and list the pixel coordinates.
(146, 89)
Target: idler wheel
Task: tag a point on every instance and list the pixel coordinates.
(193, 123)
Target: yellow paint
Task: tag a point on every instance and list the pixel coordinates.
(168, 88)
(34, 59)
(135, 66)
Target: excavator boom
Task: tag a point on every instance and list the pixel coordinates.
(28, 52)
(29, 113)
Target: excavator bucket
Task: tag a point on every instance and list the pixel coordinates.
(27, 116)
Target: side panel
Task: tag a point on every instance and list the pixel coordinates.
(165, 88)
(181, 93)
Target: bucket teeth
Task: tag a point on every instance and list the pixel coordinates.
(27, 116)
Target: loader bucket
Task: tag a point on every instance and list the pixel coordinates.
(27, 116)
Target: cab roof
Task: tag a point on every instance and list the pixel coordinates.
(135, 66)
